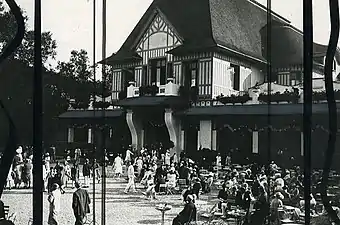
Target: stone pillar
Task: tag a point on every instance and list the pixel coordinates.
(89, 136)
(70, 135)
(182, 139)
(301, 139)
(174, 128)
(214, 140)
(205, 134)
(142, 138)
(198, 140)
(255, 147)
(135, 127)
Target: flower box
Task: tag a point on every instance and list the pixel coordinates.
(233, 99)
(80, 105)
(148, 90)
(101, 104)
(321, 96)
(280, 97)
(122, 95)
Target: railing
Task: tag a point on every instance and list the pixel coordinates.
(222, 90)
(169, 89)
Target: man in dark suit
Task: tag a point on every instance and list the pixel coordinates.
(80, 204)
(187, 214)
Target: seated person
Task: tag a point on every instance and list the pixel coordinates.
(3, 220)
(223, 197)
(150, 190)
(312, 203)
(196, 187)
(171, 178)
(187, 192)
(187, 214)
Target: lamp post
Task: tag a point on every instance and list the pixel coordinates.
(103, 112)
(94, 111)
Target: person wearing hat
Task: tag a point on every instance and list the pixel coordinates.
(47, 161)
(131, 176)
(275, 205)
(80, 204)
(54, 201)
(188, 214)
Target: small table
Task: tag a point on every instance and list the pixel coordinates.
(163, 209)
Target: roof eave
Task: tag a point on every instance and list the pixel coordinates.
(242, 54)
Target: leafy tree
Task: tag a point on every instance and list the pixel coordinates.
(77, 66)
(24, 53)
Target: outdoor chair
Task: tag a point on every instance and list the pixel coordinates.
(182, 184)
(9, 216)
(162, 189)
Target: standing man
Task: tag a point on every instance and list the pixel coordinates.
(86, 172)
(131, 176)
(54, 200)
(80, 204)
(53, 153)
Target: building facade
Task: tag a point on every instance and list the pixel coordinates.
(195, 73)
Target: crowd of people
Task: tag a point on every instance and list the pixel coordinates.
(261, 191)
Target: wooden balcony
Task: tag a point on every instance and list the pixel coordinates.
(169, 89)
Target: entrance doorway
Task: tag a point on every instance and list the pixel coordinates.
(155, 129)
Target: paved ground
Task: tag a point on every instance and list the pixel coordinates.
(132, 209)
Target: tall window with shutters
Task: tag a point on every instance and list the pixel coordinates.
(235, 77)
(158, 71)
(128, 75)
(191, 74)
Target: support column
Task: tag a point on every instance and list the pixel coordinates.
(89, 136)
(205, 134)
(214, 140)
(135, 127)
(142, 138)
(255, 148)
(70, 135)
(174, 129)
(182, 139)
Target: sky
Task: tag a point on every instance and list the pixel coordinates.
(71, 21)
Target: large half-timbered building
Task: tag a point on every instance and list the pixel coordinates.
(195, 73)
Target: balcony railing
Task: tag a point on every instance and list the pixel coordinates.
(169, 89)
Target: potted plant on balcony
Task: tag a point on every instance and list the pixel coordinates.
(319, 96)
(148, 90)
(122, 95)
(80, 105)
(291, 97)
(337, 95)
(194, 94)
(101, 104)
(232, 99)
(170, 79)
(184, 92)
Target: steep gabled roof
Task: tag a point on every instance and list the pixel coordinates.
(234, 24)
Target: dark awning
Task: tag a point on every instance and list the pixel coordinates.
(91, 114)
(121, 58)
(260, 109)
(151, 101)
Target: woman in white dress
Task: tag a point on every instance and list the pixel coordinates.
(118, 166)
